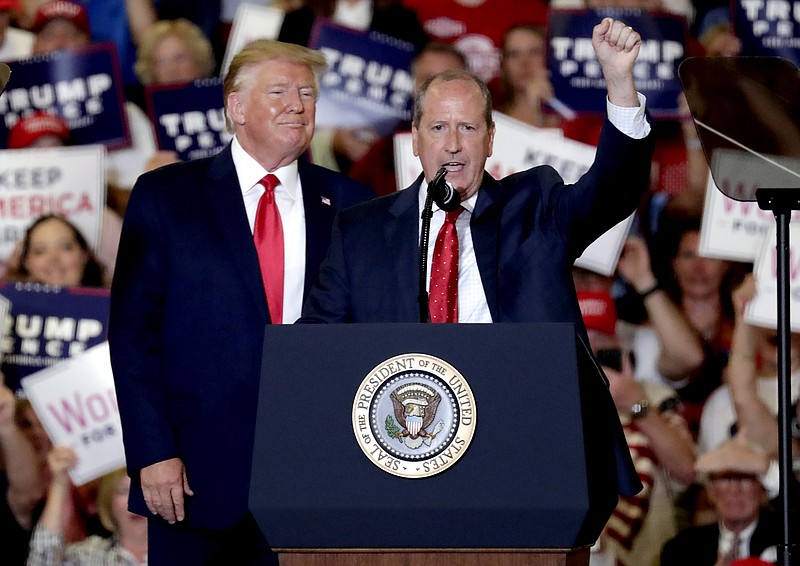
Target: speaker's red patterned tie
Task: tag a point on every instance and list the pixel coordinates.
(268, 237)
(443, 293)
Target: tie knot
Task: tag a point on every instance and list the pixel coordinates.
(452, 216)
(269, 182)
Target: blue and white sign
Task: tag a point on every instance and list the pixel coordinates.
(578, 78)
(368, 81)
(189, 119)
(82, 86)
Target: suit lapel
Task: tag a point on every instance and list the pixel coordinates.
(319, 212)
(485, 227)
(404, 224)
(227, 210)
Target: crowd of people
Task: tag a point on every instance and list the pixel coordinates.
(694, 384)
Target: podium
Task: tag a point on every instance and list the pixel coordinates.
(535, 485)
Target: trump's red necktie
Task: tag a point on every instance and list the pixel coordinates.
(443, 293)
(268, 237)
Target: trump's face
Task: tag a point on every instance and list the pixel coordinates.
(274, 112)
(453, 133)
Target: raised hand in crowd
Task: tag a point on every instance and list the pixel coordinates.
(681, 350)
(669, 437)
(754, 418)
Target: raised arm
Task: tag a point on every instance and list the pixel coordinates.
(753, 416)
(681, 348)
(47, 543)
(617, 46)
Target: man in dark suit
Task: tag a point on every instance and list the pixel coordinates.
(517, 237)
(189, 307)
(746, 525)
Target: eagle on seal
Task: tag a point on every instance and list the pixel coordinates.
(415, 414)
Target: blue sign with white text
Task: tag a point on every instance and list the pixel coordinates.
(82, 86)
(368, 81)
(48, 324)
(189, 119)
(578, 78)
(768, 28)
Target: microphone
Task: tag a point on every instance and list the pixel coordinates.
(443, 193)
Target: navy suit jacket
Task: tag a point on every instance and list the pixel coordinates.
(187, 321)
(527, 229)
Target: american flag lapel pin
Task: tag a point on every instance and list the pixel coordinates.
(325, 200)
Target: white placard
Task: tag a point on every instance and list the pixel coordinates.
(732, 229)
(762, 310)
(77, 405)
(252, 22)
(69, 181)
(518, 146)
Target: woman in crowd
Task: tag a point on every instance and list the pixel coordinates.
(54, 252)
(174, 51)
(526, 88)
(685, 345)
(128, 543)
(79, 514)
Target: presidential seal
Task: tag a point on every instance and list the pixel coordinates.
(414, 415)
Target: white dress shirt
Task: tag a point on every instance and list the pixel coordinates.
(289, 198)
(726, 538)
(472, 304)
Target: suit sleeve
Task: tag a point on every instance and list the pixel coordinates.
(608, 192)
(329, 299)
(136, 331)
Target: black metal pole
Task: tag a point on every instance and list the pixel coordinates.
(782, 202)
(425, 235)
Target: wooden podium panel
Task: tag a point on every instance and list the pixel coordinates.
(435, 557)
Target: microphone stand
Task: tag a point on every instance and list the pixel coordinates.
(427, 213)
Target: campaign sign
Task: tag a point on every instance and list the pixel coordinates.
(68, 181)
(77, 405)
(368, 81)
(252, 22)
(518, 146)
(577, 76)
(762, 310)
(189, 119)
(735, 229)
(768, 27)
(48, 324)
(82, 86)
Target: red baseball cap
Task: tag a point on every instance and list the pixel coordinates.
(64, 10)
(598, 311)
(39, 124)
(10, 5)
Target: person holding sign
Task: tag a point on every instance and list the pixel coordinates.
(212, 250)
(128, 545)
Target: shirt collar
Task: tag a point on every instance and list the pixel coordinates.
(728, 535)
(250, 172)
